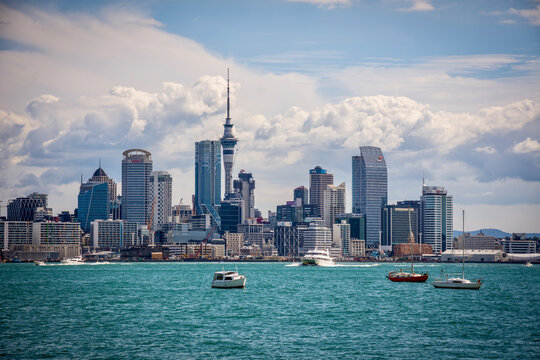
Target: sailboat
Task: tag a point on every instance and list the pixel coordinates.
(453, 281)
(404, 276)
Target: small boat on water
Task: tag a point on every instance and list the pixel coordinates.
(228, 280)
(39, 263)
(528, 264)
(318, 258)
(453, 281)
(77, 260)
(405, 276)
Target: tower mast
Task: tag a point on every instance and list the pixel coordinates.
(228, 142)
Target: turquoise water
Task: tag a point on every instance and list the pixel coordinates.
(169, 311)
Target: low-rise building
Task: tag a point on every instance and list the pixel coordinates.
(472, 256)
(357, 248)
(405, 250)
(113, 234)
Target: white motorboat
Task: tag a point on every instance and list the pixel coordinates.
(528, 264)
(77, 260)
(228, 280)
(453, 281)
(318, 258)
(39, 263)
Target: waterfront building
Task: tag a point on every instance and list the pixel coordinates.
(395, 225)
(477, 242)
(24, 208)
(245, 187)
(160, 201)
(519, 246)
(301, 193)
(228, 142)
(370, 189)
(287, 238)
(113, 234)
(319, 179)
(334, 203)
(417, 250)
(357, 248)
(316, 236)
(341, 235)
(208, 178)
(15, 233)
(437, 214)
(56, 233)
(233, 243)
(253, 232)
(136, 169)
(93, 203)
(357, 222)
(454, 255)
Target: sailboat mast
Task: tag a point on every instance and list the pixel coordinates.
(411, 236)
(463, 245)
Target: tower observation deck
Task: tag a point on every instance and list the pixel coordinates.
(228, 142)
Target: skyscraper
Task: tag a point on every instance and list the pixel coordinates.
(101, 177)
(208, 178)
(395, 225)
(24, 208)
(437, 213)
(245, 186)
(302, 193)
(334, 203)
(93, 203)
(228, 142)
(369, 189)
(160, 198)
(136, 169)
(318, 180)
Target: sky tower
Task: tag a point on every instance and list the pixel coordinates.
(228, 141)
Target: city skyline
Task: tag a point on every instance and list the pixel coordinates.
(463, 114)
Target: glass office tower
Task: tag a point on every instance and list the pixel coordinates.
(136, 170)
(370, 189)
(208, 177)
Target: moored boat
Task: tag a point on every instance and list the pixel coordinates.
(318, 258)
(228, 280)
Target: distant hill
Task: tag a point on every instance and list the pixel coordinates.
(494, 232)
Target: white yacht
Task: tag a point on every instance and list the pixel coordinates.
(77, 260)
(318, 258)
(228, 280)
(457, 283)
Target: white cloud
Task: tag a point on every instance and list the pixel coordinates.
(486, 149)
(532, 15)
(526, 146)
(325, 4)
(419, 5)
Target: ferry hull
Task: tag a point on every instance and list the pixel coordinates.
(229, 284)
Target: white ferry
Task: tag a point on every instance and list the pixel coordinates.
(318, 258)
(228, 280)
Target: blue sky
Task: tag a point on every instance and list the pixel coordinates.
(448, 89)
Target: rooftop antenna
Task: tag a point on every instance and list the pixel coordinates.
(228, 116)
(100, 163)
(81, 178)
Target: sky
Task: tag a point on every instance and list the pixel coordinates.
(450, 91)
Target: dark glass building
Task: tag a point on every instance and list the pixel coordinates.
(395, 224)
(370, 189)
(208, 178)
(24, 208)
(357, 222)
(93, 204)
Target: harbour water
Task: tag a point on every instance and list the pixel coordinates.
(169, 311)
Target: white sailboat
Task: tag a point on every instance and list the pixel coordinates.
(453, 281)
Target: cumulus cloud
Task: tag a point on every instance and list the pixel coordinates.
(526, 146)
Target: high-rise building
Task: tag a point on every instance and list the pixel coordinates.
(316, 236)
(228, 142)
(341, 235)
(113, 234)
(302, 193)
(24, 208)
(160, 202)
(287, 238)
(208, 178)
(231, 210)
(101, 177)
(136, 169)
(370, 189)
(93, 203)
(437, 214)
(245, 186)
(395, 225)
(318, 180)
(334, 203)
(357, 222)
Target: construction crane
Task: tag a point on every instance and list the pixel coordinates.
(150, 223)
(205, 241)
